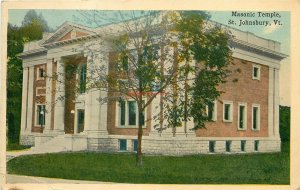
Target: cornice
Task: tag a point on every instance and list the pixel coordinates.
(236, 43)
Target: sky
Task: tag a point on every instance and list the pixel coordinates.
(279, 32)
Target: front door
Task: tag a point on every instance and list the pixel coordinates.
(80, 122)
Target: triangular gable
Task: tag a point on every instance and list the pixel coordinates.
(68, 31)
(73, 34)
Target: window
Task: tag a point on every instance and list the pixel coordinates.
(40, 75)
(150, 53)
(243, 146)
(82, 78)
(147, 55)
(256, 72)
(128, 114)
(122, 144)
(123, 113)
(228, 146)
(227, 111)
(256, 145)
(242, 116)
(255, 117)
(135, 145)
(211, 111)
(132, 111)
(212, 146)
(40, 115)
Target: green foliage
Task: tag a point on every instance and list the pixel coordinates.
(284, 117)
(31, 17)
(267, 168)
(16, 146)
(208, 46)
(16, 37)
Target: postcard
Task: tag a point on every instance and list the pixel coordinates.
(141, 94)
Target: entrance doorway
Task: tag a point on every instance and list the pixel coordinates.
(80, 120)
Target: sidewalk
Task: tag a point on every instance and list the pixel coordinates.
(12, 154)
(13, 179)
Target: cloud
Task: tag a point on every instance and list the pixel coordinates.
(270, 29)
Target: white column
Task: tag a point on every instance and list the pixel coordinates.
(59, 113)
(49, 103)
(276, 103)
(24, 127)
(271, 103)
(95, 122)
(30, 99)
(102, 114)
(155, 112)
(88, 98)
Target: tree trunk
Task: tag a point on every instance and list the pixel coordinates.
(139, 155)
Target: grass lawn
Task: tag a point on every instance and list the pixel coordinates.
(268, 168)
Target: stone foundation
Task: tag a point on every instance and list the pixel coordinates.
(27, 140)
(177, 146)
(156, 145)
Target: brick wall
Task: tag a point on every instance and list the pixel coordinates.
(245, 90)
(37, 99)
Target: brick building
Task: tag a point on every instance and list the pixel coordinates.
(244, 119)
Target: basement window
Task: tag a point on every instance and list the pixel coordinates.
(135, 145)
(122, 144)
(212, 145)
(256, 145)
(228, 146)
(243, 146)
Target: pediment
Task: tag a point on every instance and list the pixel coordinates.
(73, 34)
(68, 31)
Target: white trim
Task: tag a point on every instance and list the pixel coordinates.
(252, 57)
(271, 95)
(24, 101)
(258, 119)
(245, 116)
(30, 98)
(258, 67)
(49, 95)
(230, 111)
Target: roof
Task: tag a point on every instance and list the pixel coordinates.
(241, 38)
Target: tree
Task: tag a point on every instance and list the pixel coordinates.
(16, 38)
(284, 117)
(177, 56)
(31, 17)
